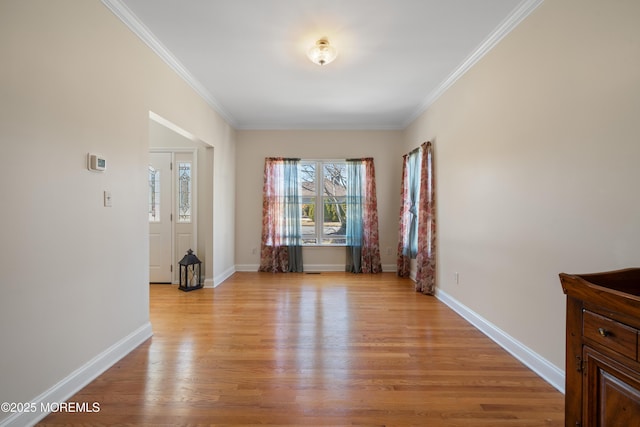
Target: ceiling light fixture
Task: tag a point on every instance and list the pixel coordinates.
(322, 53)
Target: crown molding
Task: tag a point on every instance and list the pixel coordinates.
(122, 12)
(325, 127)
(505, 27)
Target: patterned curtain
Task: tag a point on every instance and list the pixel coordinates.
(426, 258)
(281, 249)
(363, 243)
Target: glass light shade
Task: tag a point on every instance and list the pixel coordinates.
(322, 53)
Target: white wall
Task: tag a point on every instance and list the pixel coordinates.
(73, 274)
(537, 152)
(254, 146)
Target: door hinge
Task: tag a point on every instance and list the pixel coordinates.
(580, 364)
(172, 268)
(170, 166)
(171, 217)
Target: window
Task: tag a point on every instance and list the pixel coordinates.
(323, 192)
(411, 184)
(184, 192)
(154, 195)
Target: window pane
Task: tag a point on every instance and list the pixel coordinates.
(414, 168)
(334, 190)
(154, 195)
(309, 240)
(334, 224)
(307, 179)
(335, 179)
(184, 192)
(309, 223)
(308, 219)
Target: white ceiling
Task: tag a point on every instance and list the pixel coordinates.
(247, 58)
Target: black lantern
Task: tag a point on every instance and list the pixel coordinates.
(190, 272)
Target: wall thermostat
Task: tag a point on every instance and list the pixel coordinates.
(95, 162)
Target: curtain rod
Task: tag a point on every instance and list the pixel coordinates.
(323, 160)
(283, 158)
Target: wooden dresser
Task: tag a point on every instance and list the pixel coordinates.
(603, 349)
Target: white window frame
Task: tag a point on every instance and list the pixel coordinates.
(321, 239)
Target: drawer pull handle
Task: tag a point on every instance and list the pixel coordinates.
(603, 332)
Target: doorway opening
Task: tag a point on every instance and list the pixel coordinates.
(180, 200)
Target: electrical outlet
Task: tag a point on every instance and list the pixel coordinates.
(107, 199)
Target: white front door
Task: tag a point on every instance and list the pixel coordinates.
(160, 218)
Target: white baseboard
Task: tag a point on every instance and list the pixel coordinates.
(247, 267)
(79, 378)
(308, 268)
(314, 267)
(545, 369)
(222, 277)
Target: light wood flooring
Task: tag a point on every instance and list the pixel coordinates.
(330, 349)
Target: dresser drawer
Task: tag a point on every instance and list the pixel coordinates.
(611, 334)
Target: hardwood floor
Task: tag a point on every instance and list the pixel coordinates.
(327, 349)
